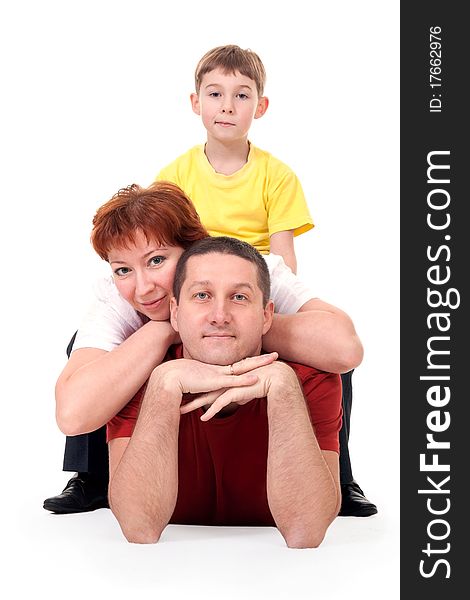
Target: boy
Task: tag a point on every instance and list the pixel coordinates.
(244, 192)
(237, 188)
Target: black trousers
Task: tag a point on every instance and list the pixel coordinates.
(88, 453)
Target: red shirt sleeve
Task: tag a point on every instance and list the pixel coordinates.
(323, 393)
(122, 425)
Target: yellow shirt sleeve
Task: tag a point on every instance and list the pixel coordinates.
(286, 206)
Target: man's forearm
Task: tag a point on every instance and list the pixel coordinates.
(318, 338)
(302, 492)
(144, 487)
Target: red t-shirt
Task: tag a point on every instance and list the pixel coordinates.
(222, 462)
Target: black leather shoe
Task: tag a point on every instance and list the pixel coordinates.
(354, 503)
(81, 494)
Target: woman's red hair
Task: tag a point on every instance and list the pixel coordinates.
(162, 212)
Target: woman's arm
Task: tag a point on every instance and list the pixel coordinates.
(318, 335)
(96, 384)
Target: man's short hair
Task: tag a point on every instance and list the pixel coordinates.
(232, 59)
(224, 245)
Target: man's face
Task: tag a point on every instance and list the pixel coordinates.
(220, 315)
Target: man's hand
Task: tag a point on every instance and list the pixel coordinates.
(268, 377)
(189, 376)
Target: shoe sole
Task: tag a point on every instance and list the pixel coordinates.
(61, 510)
(362, 513)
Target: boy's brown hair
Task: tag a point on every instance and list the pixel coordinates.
(232, 59)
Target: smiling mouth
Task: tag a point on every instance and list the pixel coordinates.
(153, 302)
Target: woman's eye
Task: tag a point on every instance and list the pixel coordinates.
(156, 261)
(121, 271)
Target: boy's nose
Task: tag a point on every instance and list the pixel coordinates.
(227, 105)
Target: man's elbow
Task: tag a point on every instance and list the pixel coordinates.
(304, 538)
(138, 532)
(137, 527)
(137, 536)
(298, 534)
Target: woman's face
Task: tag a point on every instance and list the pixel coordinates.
(144, 273)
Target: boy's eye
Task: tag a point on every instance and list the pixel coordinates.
(156, 261)
(214, 94)
(121, 271)
(242, 96)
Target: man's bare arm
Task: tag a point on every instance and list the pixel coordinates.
(143, 483)
(302, 481)
(319, 335)
(144, 472)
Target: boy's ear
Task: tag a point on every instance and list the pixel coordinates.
(195, 103)
(262, 107)
(174, 313)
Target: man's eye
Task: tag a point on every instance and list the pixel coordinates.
(240, 297)
(121, 271)
(156, 261)
(202, 296)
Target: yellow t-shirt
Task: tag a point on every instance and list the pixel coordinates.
(262, 198)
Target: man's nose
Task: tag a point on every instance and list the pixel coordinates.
(220, 312)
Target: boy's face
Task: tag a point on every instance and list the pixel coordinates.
(228, 103)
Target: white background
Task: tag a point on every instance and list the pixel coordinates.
(95, 96)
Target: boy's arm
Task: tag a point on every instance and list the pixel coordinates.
(282, 243)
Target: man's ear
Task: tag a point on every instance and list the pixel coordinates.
(195, 103)
(268, 316)
(262, 107)
(174, 313)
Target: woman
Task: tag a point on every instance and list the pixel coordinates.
(142, 232)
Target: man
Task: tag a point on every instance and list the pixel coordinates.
(223, 434)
